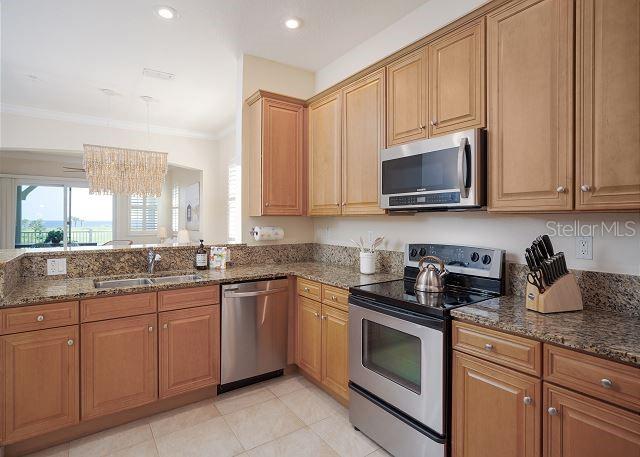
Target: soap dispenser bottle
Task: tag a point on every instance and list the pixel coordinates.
(201, 257)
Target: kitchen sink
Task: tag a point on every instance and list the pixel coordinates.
(178, 278)
(111, 283)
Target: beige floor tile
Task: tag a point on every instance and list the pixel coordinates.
(287, 384)
(209, 438)
(146, 449)
(112, 440)
(234, 401)
(310, 405)
(301, 443)
(380, 453)
(56, 451)
(341, 436)
(262, 423)
(177, 419)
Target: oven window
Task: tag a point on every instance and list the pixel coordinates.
(391, 353)
(436, 170)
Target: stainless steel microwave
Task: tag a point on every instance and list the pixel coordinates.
(446, 172)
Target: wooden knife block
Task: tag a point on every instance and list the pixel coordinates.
(562, 295)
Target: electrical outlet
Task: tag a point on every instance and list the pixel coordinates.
(584, 247)
(57, 266)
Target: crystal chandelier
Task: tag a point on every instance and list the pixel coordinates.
(119, 171)
(123, 171)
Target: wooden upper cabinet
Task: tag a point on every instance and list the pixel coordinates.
(189, 349)
(495, 410)
(530, 105)
(407, 98)
(276, 147)
(119, 364)
(335, 353)
(325, 160)
(310, 337)
(456, 80)
(579, 426)
(40, 373)
(607, 104)
(362, 139)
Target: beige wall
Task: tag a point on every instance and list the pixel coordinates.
(258, 73)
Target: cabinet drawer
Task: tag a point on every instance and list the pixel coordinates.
(511, 351)
(309, 289)
(188, 298)
(609, 381)
(97, 309)
(333, 296)
(27, 318)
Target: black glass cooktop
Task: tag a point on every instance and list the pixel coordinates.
(400, 293)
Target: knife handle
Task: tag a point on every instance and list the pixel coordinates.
(547, 244)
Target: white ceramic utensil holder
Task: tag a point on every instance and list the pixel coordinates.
(367, 263)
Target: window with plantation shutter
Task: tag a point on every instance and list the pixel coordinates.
(143, 214)
(175, 208)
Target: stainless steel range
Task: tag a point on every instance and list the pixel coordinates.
(400, 347)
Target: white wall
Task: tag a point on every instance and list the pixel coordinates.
(420, 22)
(49, 135)
(258, 73)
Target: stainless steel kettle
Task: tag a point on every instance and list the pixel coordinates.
(430, 278)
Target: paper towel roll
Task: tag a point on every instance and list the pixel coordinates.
(267, 233)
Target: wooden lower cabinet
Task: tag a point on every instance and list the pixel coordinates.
(310, 337)
(119, 364)
(495, 410)
(578, 426)
(189, 345)
(335, 354)
(40, 372)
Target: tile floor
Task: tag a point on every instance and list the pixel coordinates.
(282, 417)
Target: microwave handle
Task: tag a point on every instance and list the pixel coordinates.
(464, 165)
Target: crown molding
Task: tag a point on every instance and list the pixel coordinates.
(39, 113)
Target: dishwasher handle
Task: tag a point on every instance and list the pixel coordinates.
(230, 293)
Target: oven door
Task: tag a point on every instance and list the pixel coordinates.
(398, 358)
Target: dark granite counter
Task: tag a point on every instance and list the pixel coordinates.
(29, 292)
(611, 335)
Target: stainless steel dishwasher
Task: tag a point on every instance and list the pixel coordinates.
(254, 330)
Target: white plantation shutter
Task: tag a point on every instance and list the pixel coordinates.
(234, 216)
(175, 208)
(143, 214)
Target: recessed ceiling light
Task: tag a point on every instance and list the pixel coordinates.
(292, 23)
(166, 12)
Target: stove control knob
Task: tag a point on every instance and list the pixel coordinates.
(414, 252)
(423, 252)
(475, 257)
(486, 259)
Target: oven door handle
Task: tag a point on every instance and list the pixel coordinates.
(426, 321)
(464, 172)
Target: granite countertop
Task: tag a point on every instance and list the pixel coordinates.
(611, 335)
(30, 292)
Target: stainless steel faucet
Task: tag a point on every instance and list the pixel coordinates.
(152, 259)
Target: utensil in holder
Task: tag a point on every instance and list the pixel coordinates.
(563, 295)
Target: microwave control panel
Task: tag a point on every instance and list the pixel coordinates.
(440, 198)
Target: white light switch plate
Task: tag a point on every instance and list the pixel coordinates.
(584, 247)
(57, 266)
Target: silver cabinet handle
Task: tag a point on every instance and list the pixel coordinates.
(70, 342)
(306, 289)
(316, 314)
(267, 204)
(560, 189)
(585, 188)
(552, 411)
(324, 317)
(165, 325)
(606, 383)
(434, 122)
(150, 329)
(333, 297)
(527, 400)
(488, 346)
(40, 318)
(344, 203)
(422, 126)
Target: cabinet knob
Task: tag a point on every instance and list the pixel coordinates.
(606, 383)
(316, 314)
(70, 342)
(422, 126)
(344, 203)
(488, 346)
(561, 189)
(267, 204)
(165, 325)
(306, 289)
(585, 188)
(40, 318)
(434, 122)
(150, 329)
(552, 411)
(334, 298)
(324, 317)
(527, 400)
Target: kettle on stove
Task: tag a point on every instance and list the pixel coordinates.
(430, 278)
